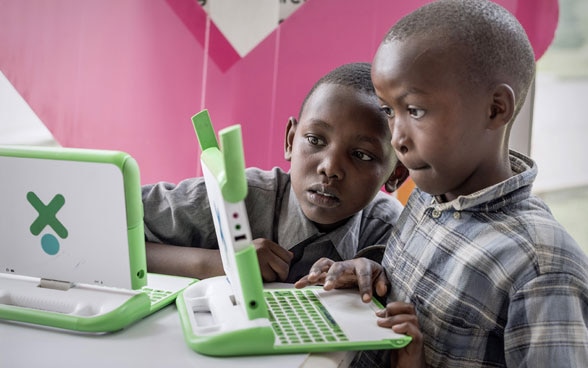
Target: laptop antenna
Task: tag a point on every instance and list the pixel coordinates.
(234, 188)
(204, 130)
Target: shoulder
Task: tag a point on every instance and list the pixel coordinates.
(187, 190)
(384, 207)
(378, 219)
(532, 244)
(267, 180)
(553, 247)
(266, 189)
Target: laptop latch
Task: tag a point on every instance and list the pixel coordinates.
(55, 284)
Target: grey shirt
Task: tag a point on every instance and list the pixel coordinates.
(180, 215)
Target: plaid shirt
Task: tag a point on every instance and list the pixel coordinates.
(495, 280)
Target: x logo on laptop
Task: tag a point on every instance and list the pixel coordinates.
(48, 217)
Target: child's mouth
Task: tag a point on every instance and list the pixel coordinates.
(323, 198)
(325, 194)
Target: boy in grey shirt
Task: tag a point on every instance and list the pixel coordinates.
(328, 205)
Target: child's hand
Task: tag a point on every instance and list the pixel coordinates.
(274, 261)
(401, 317)
(361, 272)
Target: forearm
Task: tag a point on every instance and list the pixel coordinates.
(183, 261)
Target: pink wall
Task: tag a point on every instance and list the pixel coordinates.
(129, 74)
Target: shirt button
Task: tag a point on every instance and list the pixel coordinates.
(456, 215)
(436, 213)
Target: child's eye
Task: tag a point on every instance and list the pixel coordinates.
(416, 113)
(362, 156)
(315, 141)
(388, 111)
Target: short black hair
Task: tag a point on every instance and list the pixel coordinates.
(494, 42)
(355, 75)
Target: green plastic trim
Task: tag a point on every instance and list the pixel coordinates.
(61, 153)
(251, 283)
(135, 308)
(204, 130)
(228, 164)
(135, 224)
(235, 185)
(345, 346)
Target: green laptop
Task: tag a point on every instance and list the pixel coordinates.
(237, 314)
(72, 254)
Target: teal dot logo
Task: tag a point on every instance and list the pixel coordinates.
(50, 244)
(48, 217)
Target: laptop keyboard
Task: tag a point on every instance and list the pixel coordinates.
(156, 295)
(298, 317)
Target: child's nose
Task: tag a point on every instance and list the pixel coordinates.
(332, 165)
(399, 135)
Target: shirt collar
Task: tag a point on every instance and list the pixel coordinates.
(294, 227)
(496, 196)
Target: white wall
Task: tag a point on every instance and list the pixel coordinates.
(18, 122)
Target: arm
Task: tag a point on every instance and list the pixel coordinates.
(183, 261)
(274, 261)
(179, 215)
(362, 273)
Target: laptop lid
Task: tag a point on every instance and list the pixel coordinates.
(67, 213)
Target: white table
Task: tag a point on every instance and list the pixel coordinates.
(156, 341)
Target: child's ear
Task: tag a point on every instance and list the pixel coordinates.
(290, 130)
(397, 178)
(502, 108)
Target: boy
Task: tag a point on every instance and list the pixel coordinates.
(329, 204)
(480, 273)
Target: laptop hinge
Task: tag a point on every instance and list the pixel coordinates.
(55, 284)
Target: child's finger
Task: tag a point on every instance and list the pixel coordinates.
(284, 254)
(395, 308)
(381, 285)
(302, 283)
(319, 267)
(364, 280)
(268, 274)
(280, 268)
